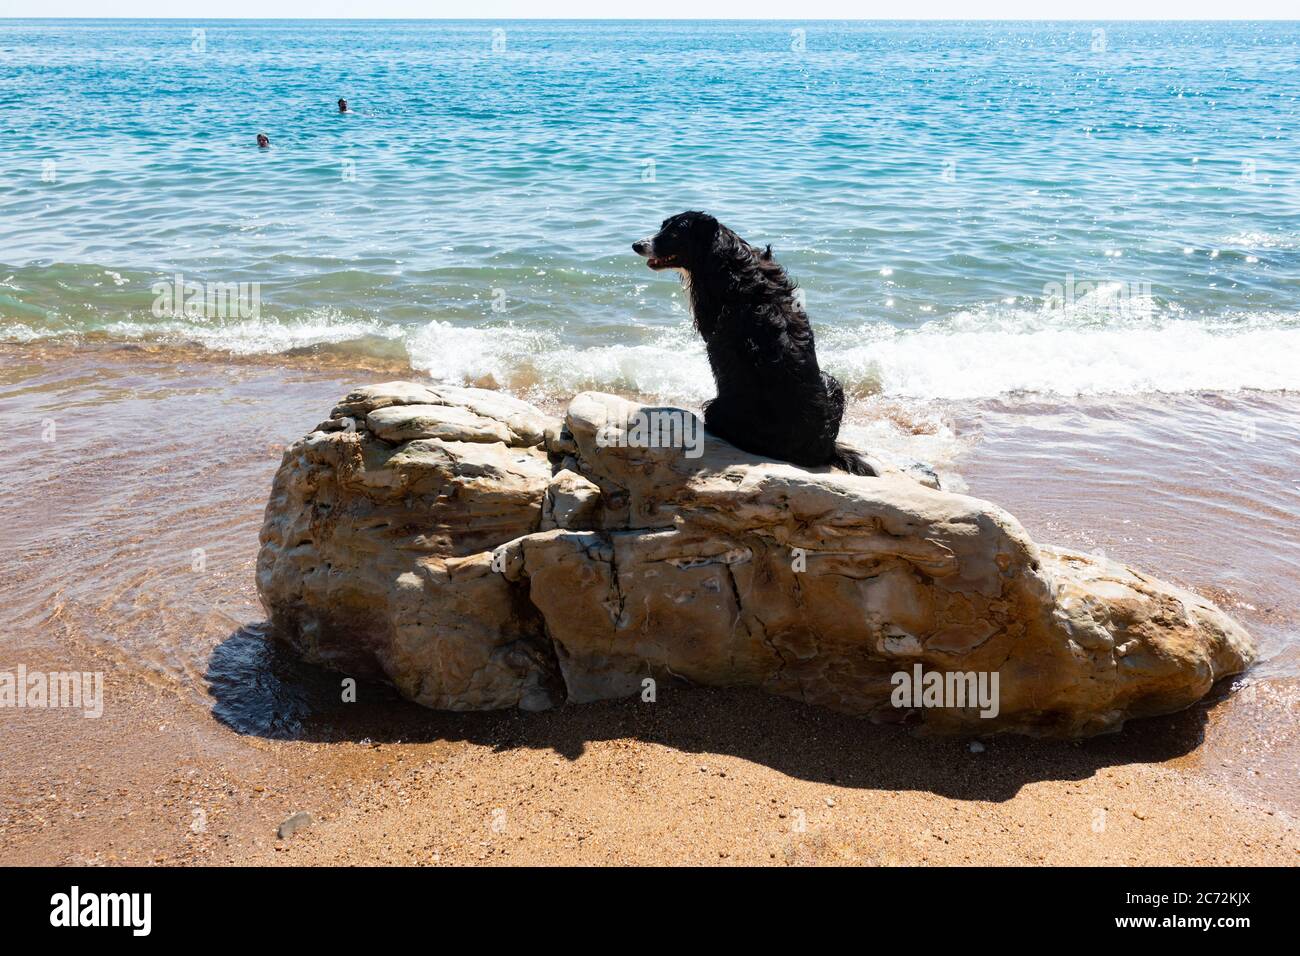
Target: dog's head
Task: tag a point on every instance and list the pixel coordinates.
(683, 241)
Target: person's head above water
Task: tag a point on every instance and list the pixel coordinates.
(263, 140)
(343, 105)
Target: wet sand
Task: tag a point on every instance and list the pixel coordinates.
(131, 539)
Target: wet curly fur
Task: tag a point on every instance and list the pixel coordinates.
(773, 398)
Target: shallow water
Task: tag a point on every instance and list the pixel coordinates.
(1201, 490)
(133, 510)
(931, 186)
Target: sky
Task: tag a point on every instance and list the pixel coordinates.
(1092, 10)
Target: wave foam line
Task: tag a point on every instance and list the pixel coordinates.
(1178, 356)
(961, 358)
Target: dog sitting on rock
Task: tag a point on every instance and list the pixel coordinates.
(773, 398)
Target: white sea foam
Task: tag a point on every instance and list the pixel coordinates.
(672, 366)
(957, 360)
(971, 355)
(262, 336)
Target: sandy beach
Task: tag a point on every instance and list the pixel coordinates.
(132, 539)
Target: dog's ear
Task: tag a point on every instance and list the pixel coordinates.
(767, 253)
(727, 244)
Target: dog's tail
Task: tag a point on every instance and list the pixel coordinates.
(847, 459)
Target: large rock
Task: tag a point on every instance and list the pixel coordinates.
(477, 554)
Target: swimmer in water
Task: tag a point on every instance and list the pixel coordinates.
(263, 141)
(343, 105)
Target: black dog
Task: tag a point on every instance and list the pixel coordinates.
(773, 399)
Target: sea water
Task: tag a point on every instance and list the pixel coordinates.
(971, 209)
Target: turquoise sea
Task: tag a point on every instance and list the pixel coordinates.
(972, 209)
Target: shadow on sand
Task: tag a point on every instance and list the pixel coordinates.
(261, 690)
